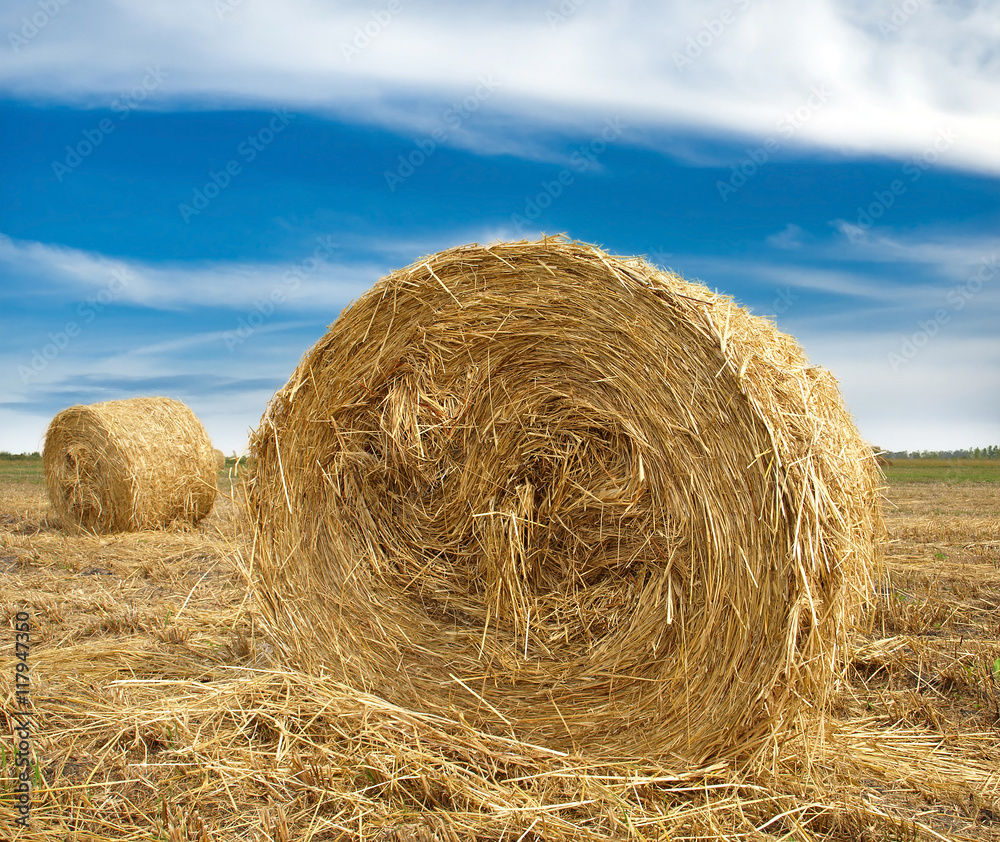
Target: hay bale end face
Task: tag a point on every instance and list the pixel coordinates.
(129, 465)
(569, 497)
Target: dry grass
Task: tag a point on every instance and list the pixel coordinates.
(129, 465)
(568, 499)
(160, 714)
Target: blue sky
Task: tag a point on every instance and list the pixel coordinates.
(194, 190)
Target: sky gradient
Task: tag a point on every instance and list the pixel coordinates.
(193, 191)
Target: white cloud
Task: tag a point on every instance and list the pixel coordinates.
(734, 67)
(316, 280)
(960, 252)
(770, 277)
(789, 237)
(853, 284)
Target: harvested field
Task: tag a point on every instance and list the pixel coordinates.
(159, 712)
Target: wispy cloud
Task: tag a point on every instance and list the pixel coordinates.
(855, 285)
(765, 275)
(893, 85)
(789, 237)
(310, 282)
(932, 247)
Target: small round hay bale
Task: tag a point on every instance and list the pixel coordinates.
(128, 465)
(569, 497)
(220, 459)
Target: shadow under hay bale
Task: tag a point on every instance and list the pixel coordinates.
(567, 497)
(128, 465)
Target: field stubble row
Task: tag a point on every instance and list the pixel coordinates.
(160, 712)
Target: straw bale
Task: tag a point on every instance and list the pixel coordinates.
(220, 459)
(127, 465)
(567, 497)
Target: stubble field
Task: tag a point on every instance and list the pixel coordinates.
(159, 712)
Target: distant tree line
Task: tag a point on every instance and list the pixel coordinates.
(991, 452)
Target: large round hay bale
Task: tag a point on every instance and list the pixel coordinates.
(568, 497)
(127, 465)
